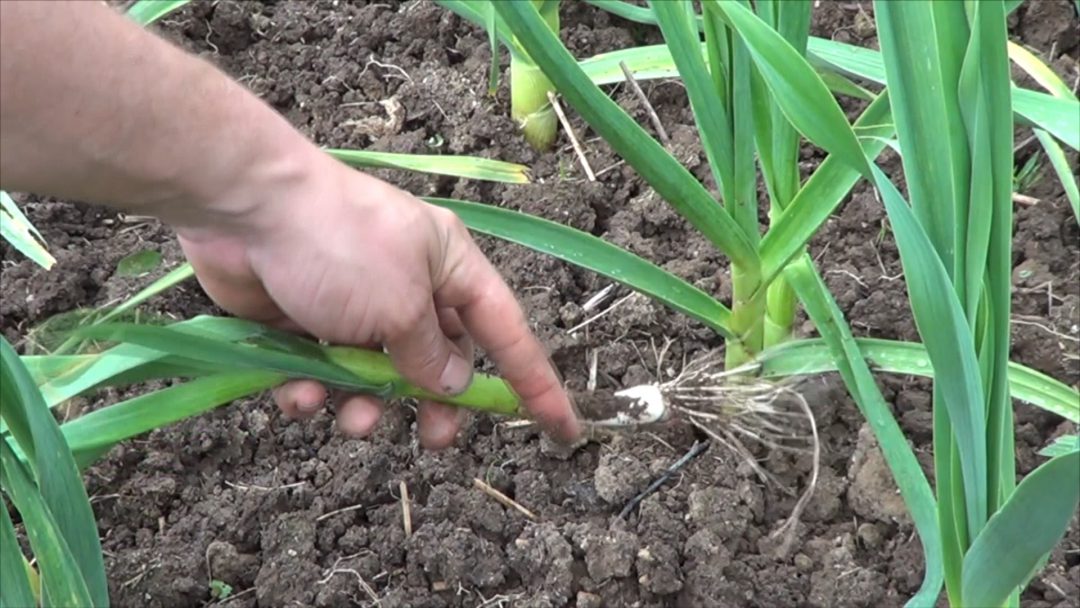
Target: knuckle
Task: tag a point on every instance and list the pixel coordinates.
(402, 318)
(450, 223)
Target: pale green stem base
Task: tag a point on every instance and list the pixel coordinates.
(779, 313)
(487, 393)
(747, 320)
(529, 104)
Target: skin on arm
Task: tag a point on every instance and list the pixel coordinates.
(94, 108)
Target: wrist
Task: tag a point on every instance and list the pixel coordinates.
(244, 193)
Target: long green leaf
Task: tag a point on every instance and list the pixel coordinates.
(60, 378)
(905, 468)
(800, 93)
(16, 229)
(710, 111)
(14, 583)
(1061, 167)
(945, 332)
(811, 356)
(1027, 527)
(663, 172)
(1061, 117)
(925, 108)
(822, 193)
(468, 167)
(145, 12)
(589, 252)
(60, 570)
(231, 356)
(58, 484)
(105, 427)
(989, 27)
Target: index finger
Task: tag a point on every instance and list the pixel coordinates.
(496, 322)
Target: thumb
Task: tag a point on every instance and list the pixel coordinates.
(426, 356)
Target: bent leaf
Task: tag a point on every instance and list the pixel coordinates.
(16, 229)
(49, 483)
(844, 352)
(811, 356)
(145, 12)
(468, 167)
(589, 252)
(1030, 523)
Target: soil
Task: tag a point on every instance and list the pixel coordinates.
(295, 514)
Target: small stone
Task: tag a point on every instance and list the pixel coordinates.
(588, 600)
(864, 24)
(803, 562)
(870, 535)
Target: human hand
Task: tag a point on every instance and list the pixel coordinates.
(350, 259)
(277, 231)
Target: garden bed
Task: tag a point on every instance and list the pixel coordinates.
(292, 513)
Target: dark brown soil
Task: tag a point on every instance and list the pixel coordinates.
(294, 514)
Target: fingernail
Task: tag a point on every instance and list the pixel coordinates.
(311, 406)
(456, 376)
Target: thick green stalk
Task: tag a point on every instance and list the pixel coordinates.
(529, 88)
(747, 319)
(778, 153)
(779, 313)
(730, 71)
(487, 393)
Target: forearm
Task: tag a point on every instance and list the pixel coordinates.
(94, 108)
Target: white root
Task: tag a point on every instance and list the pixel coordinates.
(731, 406)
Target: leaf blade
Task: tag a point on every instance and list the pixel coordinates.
(1026, 528)
(468, 167)
(15, 587)
(16, 229)
(662, 171)
(55, 477)
(145, 12)
(61, 581)
(589, 252)
(905, 468)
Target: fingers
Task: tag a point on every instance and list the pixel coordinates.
(425, 355)
(492, 316)
(438, 424)
(357, 415)
(300, 398)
